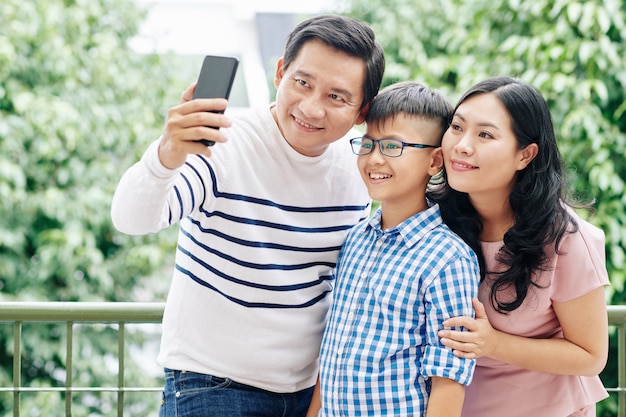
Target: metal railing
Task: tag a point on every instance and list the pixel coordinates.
(122, 314)
(72, 313)
(617, 318)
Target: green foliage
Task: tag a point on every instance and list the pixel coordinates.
(77, 107)
(572, 51)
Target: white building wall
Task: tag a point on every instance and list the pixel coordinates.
(219, 27)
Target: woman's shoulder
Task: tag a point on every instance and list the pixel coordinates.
(586, 233)
(580, 262)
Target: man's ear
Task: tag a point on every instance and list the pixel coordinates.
(280, 71)
(361, 118)
(436, 162)
(527, 155)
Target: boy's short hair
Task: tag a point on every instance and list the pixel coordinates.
(412, 99)
(347, 35)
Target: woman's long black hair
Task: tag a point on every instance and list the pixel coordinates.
(541, 218)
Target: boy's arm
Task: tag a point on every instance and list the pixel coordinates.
(449, 295)
(446, 398)
(316, 401)
(582, 350)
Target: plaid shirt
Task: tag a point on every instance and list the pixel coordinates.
(393, 290)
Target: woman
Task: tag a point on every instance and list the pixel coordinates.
(540, 332)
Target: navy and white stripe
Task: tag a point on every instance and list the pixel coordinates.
(241, 240)
(393, 290)
(261, 227)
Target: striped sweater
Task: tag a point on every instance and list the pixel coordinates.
(260, 228)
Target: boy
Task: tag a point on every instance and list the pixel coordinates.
(399, 275)
(262, 218)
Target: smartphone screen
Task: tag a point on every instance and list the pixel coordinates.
(215, 80)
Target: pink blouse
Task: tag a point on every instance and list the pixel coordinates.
(501, 389)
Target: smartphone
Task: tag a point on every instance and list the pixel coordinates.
(215, 80)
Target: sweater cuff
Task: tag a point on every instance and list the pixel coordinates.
(151, 160)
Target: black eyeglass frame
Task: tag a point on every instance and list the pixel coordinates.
(382, 149)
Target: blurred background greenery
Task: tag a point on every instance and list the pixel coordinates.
(78, 106)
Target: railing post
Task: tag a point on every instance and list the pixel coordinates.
(120, 378)
(69, 347)
(17, 367)
(621, 369)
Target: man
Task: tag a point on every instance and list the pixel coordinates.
(262, 217)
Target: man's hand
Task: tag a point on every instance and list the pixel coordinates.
(189, 122)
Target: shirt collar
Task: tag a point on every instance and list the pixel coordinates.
(412, 229)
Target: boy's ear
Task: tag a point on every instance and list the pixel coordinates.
(436, 162)
(361, 118)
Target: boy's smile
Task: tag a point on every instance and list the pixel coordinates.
(399, 183)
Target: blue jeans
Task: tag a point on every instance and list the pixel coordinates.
(188, 394)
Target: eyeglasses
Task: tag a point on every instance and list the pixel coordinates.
(388, 147)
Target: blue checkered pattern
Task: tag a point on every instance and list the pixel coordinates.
(392, 292)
